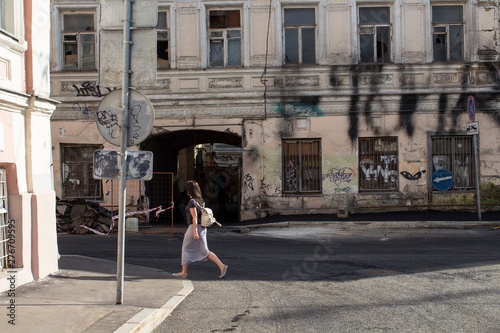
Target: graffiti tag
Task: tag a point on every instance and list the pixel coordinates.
(339, 176)
(415, 176)
(90, 89)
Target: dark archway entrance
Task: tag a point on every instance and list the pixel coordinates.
(166, 148)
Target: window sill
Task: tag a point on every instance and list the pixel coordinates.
(12, 43)
(307, 194)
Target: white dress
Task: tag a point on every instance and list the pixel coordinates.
(194, 250)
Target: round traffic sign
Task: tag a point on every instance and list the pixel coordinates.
(110, 117)
(442, 180)
(471, 108)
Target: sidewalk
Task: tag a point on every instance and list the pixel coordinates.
(81, 297)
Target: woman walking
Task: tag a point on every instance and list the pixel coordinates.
(194, 245)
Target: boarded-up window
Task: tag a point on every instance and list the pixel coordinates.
(302, 166)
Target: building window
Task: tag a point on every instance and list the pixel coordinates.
(453, 157)
(79, 40)
(302, 166)
(447, 33)
(378, 164)
(162, 40)
(77, 172)
(225, 38)
(4, 223)
(375, 34)
(7, 17)
(300, 36)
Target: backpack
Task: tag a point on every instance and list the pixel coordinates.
(207, 217)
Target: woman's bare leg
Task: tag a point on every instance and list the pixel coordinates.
(213, 258)
(183, 272)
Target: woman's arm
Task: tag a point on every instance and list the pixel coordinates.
(194, 218)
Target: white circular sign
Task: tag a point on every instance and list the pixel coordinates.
(110, 117)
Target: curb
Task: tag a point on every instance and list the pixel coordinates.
(377, 224)
(148, 319)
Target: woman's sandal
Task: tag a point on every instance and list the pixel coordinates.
(223, 273)
(180, 275)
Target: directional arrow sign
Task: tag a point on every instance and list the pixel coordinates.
(442, 180)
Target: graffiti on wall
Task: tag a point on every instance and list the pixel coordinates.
(90, 89)
(339, 176)
(83, 109)
(298, 109)
(380, 173)
(415, 176)
(248, 181)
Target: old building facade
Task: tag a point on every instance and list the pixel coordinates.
(337, 106)
(28, 239)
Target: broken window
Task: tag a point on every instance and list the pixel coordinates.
(79, 40)
(224, 38)
(378, 164)
(300, 36)
(447, 33)
(78, 172)
(453, 159)
(302, 166)
(162, 40)
(375, 34)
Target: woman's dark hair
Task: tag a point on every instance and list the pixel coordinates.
(194, 191)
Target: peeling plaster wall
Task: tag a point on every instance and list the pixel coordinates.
(337, 100)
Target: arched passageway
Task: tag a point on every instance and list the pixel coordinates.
(212, 158)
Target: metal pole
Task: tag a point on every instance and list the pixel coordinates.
(478, 178)
(123, 175)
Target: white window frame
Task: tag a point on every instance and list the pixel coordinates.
(12, 21)
(447, 33)
(375, 26)
(224, 37)
(299, 41)
(57, 32)
(164, 63)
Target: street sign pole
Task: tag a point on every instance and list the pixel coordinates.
(478, 178)
(120, 267)
(473, 129)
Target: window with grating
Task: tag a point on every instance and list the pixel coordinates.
(3, 221)
(78, 172)
(455, 154)
(378, 164)
(302, 166)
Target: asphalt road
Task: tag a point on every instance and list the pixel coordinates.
(327, 279)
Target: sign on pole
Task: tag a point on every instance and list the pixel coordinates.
(471, 108)
(107, 164)
(473, 128)
(140, 122)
